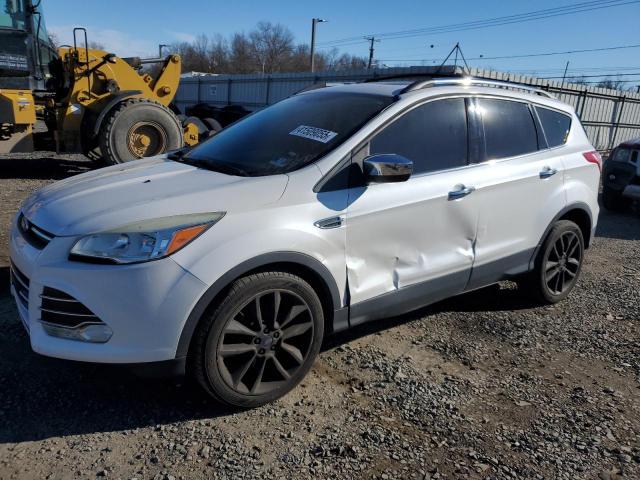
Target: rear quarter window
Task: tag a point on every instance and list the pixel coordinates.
(556, 125)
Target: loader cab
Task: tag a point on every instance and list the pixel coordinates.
(25, 47)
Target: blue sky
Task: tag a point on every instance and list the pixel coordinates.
(147, 23)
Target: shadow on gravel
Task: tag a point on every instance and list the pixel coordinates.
(621, 226)
(44, 167)
(4, 280)
(489, 299)
(42, 397)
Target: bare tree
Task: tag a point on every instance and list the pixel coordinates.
(268, 48)
(272, 45)
(611, 83)
(241, 58)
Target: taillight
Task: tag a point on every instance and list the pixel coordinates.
(593, 157)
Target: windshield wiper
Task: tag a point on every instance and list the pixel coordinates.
(224, 168)
(178, 155)
(208, 164)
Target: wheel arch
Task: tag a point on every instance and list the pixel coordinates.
(303, 265)
(580, 214)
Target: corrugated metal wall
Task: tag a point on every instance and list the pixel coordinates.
(609, 116)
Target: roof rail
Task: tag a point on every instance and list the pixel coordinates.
(468, 81)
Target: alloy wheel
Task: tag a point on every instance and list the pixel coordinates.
(563, 263)
(265, 342)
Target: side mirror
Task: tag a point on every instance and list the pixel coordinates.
(387, 168)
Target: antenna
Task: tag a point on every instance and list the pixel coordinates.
(457, 50)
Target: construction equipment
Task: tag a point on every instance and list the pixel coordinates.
(92, 101)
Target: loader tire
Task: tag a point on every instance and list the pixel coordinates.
(138, 128)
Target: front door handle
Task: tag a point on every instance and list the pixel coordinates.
(548, 172)
(460, 191)
(327, 223)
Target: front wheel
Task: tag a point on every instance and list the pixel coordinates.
(260, 341)
(558, 264)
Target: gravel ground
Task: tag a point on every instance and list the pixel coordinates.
(485, 386)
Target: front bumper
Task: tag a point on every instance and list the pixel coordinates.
(145, 305)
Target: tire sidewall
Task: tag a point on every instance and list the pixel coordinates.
(230, 306)
(559, 229)
(124, 117)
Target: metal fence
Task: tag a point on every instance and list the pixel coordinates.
(609, 116)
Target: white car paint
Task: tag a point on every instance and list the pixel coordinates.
(392, 236)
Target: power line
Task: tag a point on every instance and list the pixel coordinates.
(491, 22)
(528, 55)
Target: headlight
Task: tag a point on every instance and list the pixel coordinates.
(143, 241)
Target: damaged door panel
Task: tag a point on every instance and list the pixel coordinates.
(412, 243)
(401, 235)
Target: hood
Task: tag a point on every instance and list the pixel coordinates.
(114, 196)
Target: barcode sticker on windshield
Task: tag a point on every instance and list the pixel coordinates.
(313, 133)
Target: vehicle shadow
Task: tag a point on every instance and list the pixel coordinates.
(43, 165)
(493, 298)
(619, 225)
(43, 397)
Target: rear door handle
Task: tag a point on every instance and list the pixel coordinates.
(548, 172)
(460, 191)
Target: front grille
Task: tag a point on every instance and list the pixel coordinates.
(59, 308)
(36, 236)
(20, 283)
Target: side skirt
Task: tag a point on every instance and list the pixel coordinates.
(408, 298)
(413, 297)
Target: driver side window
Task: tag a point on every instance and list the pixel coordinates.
(432, 135)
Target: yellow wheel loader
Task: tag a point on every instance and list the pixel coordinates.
(92, 101)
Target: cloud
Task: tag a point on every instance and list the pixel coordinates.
(182, 36)
(115, 41)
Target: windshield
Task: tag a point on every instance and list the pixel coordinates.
(287, 135)
(12, 14)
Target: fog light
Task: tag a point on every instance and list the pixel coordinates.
(92, 333)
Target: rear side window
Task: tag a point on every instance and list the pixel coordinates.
(556, 126)
(433, 136)
(509, 129)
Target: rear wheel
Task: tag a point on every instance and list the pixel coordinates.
(614, 201)
(139, 128)
(260, 341)
(558, 264)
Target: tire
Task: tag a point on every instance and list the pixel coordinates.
(232, 355)
(123, 132)
(212, 124)
(203, 129)
(614, 201)
(555, 274)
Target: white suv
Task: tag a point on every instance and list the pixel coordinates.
(337, 206)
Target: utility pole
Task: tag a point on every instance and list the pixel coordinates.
(313, 41)
(371, 39)
(564, 75)
(160, 47)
